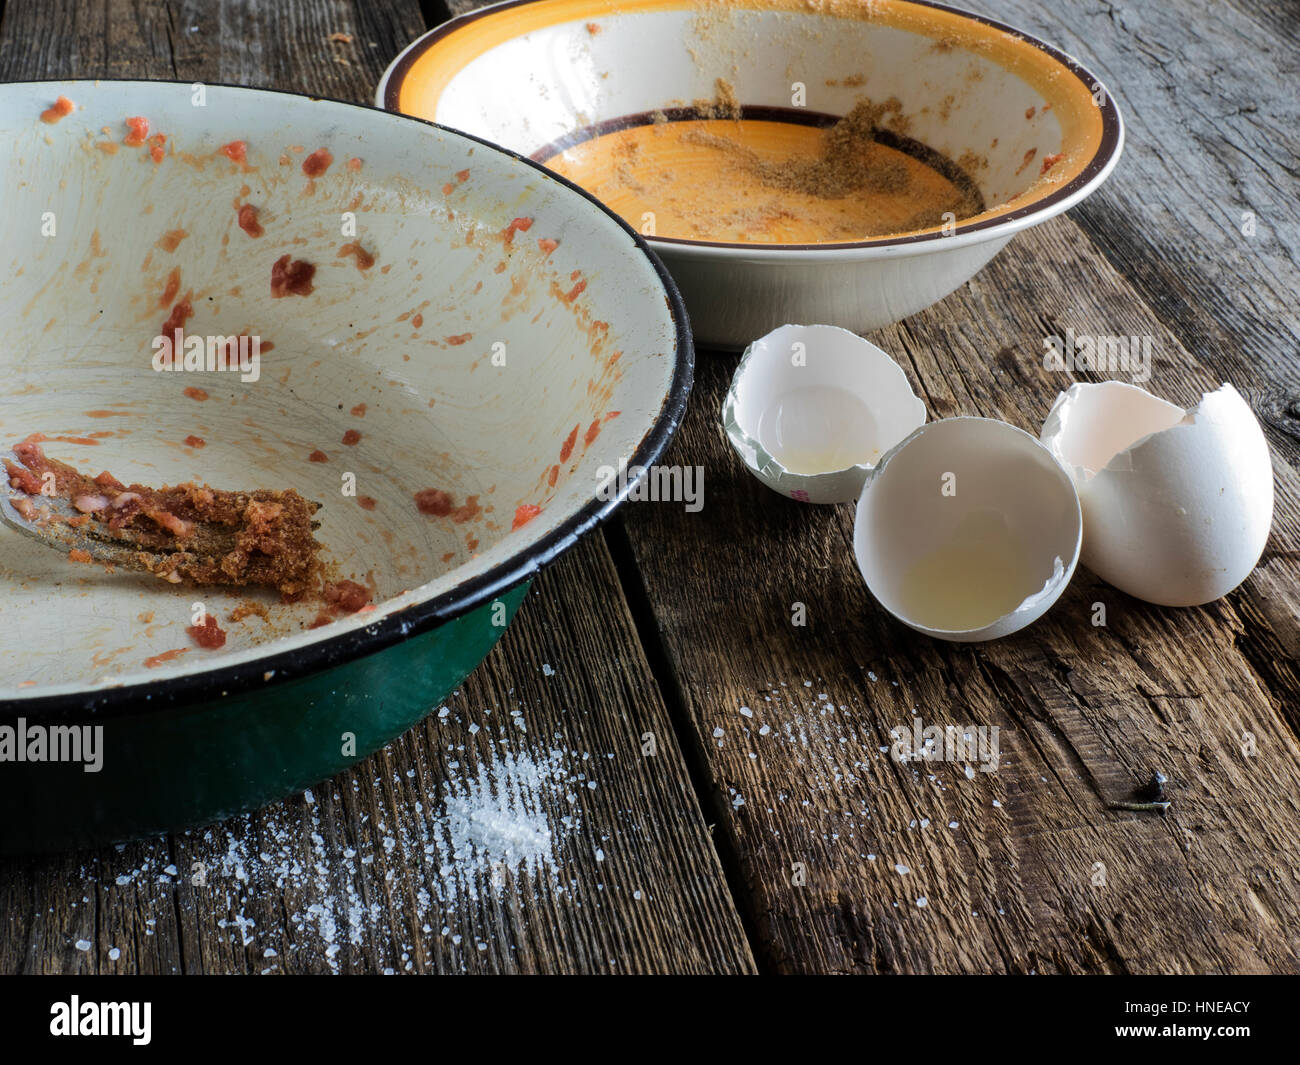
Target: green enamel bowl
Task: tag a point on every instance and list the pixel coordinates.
(476, 332)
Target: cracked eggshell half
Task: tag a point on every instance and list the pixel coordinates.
(1177, 504)
(968, 530)
(811, 409)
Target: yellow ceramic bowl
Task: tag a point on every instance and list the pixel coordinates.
(607, 91)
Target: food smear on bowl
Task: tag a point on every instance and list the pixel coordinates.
(61, 109)
(347, 595)
(756, 176)
(524, 513)
(317, 163)
(209, 635)
(248, 222)
(291, 277)
(185, 532)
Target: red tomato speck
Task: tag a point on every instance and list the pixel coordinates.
(138, 130)
(567, 448)
(235, 151)
(173, 286)
(518, 225)
(248, 220)
(352, 436)
(433, 502)
(524, 514)
(62, 108)
(318, 456)
(208, 635)
(291, 277)
(347, 595)
(317, 163)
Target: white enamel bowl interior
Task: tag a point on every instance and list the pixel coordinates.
(82, 304)
(598, 62)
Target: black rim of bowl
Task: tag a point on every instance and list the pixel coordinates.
(329, 651)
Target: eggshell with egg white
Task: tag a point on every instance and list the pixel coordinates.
(795, 357)
(919, 502)
(1177, 504)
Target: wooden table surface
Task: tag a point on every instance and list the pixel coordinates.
(727, 803)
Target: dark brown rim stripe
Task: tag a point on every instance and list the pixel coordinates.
(793, 116)
(1110, 133)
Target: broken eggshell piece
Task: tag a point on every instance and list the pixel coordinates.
(811, 409)
(968, 530)
(1177, 504)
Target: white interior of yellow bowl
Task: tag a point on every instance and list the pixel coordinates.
(573, 344)
(528, 76)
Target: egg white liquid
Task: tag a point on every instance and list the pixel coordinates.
(981, 573)
(818, 429)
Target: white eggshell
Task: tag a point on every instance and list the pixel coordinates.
(1177, 504)
(925, 491)
(797, 358)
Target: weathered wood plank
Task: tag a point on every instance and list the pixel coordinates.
(375, 871)
(352, 879)
(1026, 868)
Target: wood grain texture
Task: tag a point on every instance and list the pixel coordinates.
(362, 877)
(356, 877)
(829, 844)
(1027, 869)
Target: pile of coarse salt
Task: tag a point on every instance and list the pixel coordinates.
(510, 815)
(496, 821)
